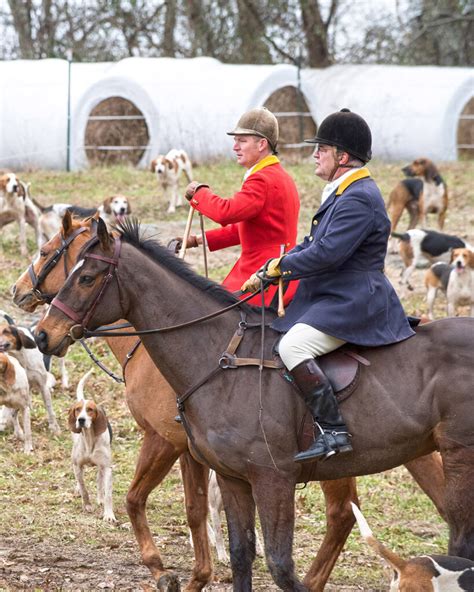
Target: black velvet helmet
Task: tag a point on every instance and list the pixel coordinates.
(348, 131)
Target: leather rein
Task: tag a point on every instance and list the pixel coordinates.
(80, 330)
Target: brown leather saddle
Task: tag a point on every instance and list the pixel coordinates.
(342, 367)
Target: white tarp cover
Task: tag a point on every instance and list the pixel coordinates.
(34, 107)
(191, 103)
(412, 110)
(186, 103)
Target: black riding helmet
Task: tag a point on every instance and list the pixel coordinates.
(347, 131)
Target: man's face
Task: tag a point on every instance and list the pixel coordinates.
(325, 157)
(249, 150)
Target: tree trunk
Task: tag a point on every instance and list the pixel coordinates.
(315, 32)
(169, 49)
(22, 16)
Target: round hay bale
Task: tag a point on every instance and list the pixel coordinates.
(118, 123)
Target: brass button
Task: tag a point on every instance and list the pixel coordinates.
(315, 222)
(311, 238)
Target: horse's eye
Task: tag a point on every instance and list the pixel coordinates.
(86, 279)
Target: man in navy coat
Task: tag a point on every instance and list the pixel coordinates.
(343, 294)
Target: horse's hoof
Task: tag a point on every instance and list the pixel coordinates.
(168, 583)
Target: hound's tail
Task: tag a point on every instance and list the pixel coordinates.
(40, 207)
(405, 237)
(392, 558)
(80, 386)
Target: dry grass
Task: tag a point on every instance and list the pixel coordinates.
(49, 544)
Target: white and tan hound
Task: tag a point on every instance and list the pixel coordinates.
(414, 244)
(168, 169)
(92, 437)
(434, 197)
(427, 573)
(15, 394)
(16, 205)
(20, 344)
(456, 280)
(113, 210)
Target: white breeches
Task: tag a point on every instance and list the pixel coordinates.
(303, 342)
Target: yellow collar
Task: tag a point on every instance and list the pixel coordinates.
(360, 174)
(261, 164)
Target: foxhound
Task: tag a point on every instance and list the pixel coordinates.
(168, 169)
(92, 437)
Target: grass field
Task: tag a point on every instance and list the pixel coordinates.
(47, 543)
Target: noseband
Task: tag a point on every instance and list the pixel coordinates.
(37, 280)
(77, 331)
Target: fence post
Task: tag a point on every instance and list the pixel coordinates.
(68, 139)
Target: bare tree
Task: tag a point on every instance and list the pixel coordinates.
(169, 47)
(315, 30)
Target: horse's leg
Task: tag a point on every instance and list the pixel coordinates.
(239, 509)
(339, 522)
(458, 463)
(274, 495)
(155, 460)
(428, 472)
(196, 481)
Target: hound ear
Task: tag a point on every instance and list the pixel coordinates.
(67, 223)
(26, 341)
(430, 170)
(103, 235)
(8, 371)
(471, 259)
(107, 207)
(72, 421)
(100, 423)
(21, 192)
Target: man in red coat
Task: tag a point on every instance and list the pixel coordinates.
(262, 216)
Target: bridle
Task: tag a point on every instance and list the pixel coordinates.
(79, 330)
(37, 280)
(83, 319)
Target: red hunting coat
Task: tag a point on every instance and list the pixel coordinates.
(260, 217)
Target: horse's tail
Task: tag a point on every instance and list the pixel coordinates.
(395, 560)
(404, 236)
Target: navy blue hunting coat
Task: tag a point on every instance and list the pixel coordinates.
(343, 290)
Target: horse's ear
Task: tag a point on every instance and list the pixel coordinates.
(103, 235)
(67, 223)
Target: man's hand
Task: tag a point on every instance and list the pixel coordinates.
(270, 270)
(272, 267)
(192, 188)
(251, 285)
(192, 242)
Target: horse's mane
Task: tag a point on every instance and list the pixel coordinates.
(131, 233)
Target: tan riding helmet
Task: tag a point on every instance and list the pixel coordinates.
(258, 122)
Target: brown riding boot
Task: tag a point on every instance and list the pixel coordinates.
(317, 393)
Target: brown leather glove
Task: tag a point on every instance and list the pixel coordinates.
(176, 243)
(192, 188)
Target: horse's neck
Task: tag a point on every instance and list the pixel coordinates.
(121, 346)
(156, 298)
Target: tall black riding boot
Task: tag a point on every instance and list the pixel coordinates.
(318, 395)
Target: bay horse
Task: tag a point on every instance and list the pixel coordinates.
(237, 481)
(152, 403)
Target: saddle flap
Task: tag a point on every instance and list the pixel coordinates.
(340, 368)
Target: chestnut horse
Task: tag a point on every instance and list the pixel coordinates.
(426, 470)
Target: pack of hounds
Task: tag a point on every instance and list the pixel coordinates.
(421, 195)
